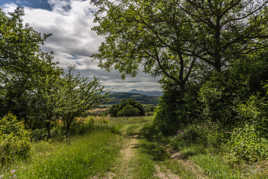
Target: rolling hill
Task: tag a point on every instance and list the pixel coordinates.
(115, 97)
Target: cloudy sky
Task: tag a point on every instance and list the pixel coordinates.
(73, 42)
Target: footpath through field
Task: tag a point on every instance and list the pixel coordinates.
(135, 162)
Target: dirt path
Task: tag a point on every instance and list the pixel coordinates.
(166, 174)
(127, 154)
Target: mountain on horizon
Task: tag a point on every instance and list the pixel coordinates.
(149, 98)
(146, 93)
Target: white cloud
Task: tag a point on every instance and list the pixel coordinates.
(73, 42)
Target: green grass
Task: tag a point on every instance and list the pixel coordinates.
(215, 167)
(130, 125)
(178, 169)
(144, 166)
(88, 155)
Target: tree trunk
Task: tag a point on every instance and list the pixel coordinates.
(48, 130)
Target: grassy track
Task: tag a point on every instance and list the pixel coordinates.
(103, 154)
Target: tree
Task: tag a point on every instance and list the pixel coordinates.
(44, 100)
(145, 33)
(225, 30)
(175, 38)
(127, 107)
(78, 95)
(22, 64)
(185, 42)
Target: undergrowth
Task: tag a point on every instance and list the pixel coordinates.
(87, 155)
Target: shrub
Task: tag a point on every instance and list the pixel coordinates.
(127, 108)
(151, 133)
(255, 111)
(156, 150)
(14, 140)
(82, 127)
(38, 134)
(245, 144)
(114, 110)
(176, 110)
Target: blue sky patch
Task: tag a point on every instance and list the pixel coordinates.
(42, 4)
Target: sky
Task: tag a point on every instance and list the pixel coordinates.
(73, 41)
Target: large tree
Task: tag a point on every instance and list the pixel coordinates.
(175, 38)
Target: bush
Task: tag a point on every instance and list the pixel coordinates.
(82, 127)
(14, 140)
(245, 144)
(127, 108)
(255, 110)
(176, 110)
(150, 132)
(156, 150)
(219, 97)
(38, 134)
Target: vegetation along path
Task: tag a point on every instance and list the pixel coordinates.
(141, 158)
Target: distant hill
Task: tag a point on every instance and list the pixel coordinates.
(147, 93)
(115, 97)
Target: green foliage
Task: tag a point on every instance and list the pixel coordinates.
(78, 95)
(177, 109)
(127, 108)
(38, 134)
(86, 156)
(14, 140)
(245, 144)
(33, 87)
(220, 95)
(157, 151)
(215, 167)
(167, 114)
(82, 127)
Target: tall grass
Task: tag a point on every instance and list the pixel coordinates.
(88, 155)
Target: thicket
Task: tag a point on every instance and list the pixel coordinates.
(127, 107)
(34, 88)
(211, 58)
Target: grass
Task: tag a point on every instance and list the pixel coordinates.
(88, 155)
(143, 164)
(128, 126)
(215, 167)
(98, 153)
(177, 168)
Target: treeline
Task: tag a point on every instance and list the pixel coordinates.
(32, 86)
(212, 58)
